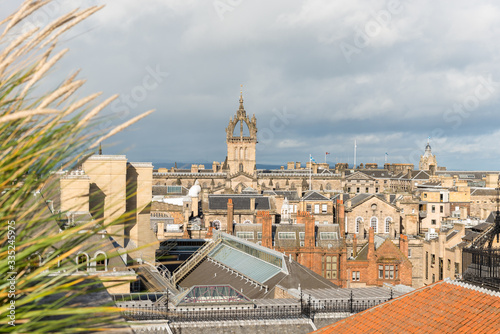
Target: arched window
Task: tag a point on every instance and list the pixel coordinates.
(374, 224)
(246, 153)
(388, 222)
(359, 224)
(328, 186)
(241, 167)
(82, 260)
(216, 224)
(235, 153)
(241, 153)
(101, 261)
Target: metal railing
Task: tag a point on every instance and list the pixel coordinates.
(481, 266)
(304, 309)
(154, 280)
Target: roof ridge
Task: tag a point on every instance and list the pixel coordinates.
(472, 287)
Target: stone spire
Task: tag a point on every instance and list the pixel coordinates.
(241, 109)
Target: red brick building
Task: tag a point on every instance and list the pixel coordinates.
(380, 261)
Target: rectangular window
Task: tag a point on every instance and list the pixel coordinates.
(366, 190)
(433, 221)
(259, 235)
(324, 208)
(245, 235)
(348, 189)
(396, 275)
(409, 252)
(441, 209)
(433, 209)
(380, 271)
(426, 265)
(328, 236)
(309, 208)
(376, 190)
(316, 208)
(391, 272)
(357, 190)
(433, 278)
(302, 244)
(425, 195)
(457, 268)
(295, 208)
(355, 276)
(433, 259)
(387, 272)
(302, 235)
(330, 267)
(286, 235)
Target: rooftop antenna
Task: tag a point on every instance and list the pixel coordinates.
(100, 149)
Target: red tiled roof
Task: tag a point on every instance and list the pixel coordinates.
(443, 307)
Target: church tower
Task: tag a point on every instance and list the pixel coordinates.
(241, 141)
(428, 160)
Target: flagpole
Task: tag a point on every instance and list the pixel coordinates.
(355, 153)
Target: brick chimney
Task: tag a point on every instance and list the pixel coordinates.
(304, 217)
(371, 244)
(403, 244)
(264, 218)
(341, 217)
(230, 216)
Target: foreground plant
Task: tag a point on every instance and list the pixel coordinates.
(40, 133)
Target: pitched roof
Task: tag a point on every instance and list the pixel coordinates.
(240, 202)
(444, 307)
(314, 196)
(359, 176)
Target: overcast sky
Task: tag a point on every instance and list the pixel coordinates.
(317, 74)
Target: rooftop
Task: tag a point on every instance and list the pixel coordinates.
(444, 307)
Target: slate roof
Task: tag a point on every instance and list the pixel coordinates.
(291, 195)
(420, 175)
(230, 269)
(490, 219)
(314, 196)
(470, 236)
(360, 198)
(483, 192)
(443, 307)
(451, 235)
(240, 202)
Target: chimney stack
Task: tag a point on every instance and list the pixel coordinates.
(403, 244)
(341, 217)
(354, 246)
(371, 244)
(304, 217)
(264, 218)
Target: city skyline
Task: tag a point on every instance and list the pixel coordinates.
(318, 75)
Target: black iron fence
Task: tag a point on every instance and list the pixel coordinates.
(304, 309)
(481, 266)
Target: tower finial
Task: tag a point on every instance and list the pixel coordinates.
(241, 99)
(100, 149)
